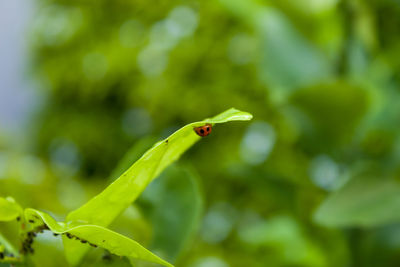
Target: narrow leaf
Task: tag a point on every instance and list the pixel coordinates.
(105, 207)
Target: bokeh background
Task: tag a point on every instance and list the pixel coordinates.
(312, 181)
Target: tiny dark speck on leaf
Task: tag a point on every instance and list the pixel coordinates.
(107, 257)
(31, 221)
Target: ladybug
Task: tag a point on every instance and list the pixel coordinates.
(203, 130)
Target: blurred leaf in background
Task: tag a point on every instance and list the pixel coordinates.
(312, 181)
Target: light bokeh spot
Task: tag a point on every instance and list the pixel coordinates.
(257, 143)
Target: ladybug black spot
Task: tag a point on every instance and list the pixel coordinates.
(203, 130)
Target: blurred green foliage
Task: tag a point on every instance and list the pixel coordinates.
(313, 181)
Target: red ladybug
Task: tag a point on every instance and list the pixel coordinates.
(203, 130)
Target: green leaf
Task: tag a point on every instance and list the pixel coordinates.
(96, 235)
(364, 201)
(174, 204)
(177, 205)
(288, 60)
(9, 209)
(106, 206)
